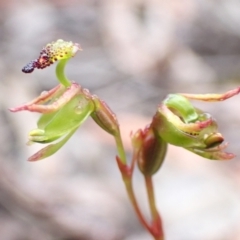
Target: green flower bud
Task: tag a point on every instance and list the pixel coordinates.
(104, 117)
(151, 151)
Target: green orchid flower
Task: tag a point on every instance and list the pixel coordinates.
(179, 123)
(65, 107)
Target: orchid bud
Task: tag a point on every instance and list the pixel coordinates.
(104, 117)
(151, 150)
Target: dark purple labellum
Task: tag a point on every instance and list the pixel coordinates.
(40, 63)
(29, 67)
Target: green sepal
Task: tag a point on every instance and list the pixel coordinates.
(51, 148)
(171, 134)
(51, 126)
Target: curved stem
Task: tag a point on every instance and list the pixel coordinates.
(60, 73)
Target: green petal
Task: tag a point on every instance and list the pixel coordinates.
(50, 149)
(45, 119)
(54, 125)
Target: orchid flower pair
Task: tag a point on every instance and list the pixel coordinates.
(65, 107)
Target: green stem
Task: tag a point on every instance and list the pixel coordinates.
(151, 198)
(120, 148)
(156, 220)
(60, 72)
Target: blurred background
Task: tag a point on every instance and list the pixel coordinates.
(135, 52)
